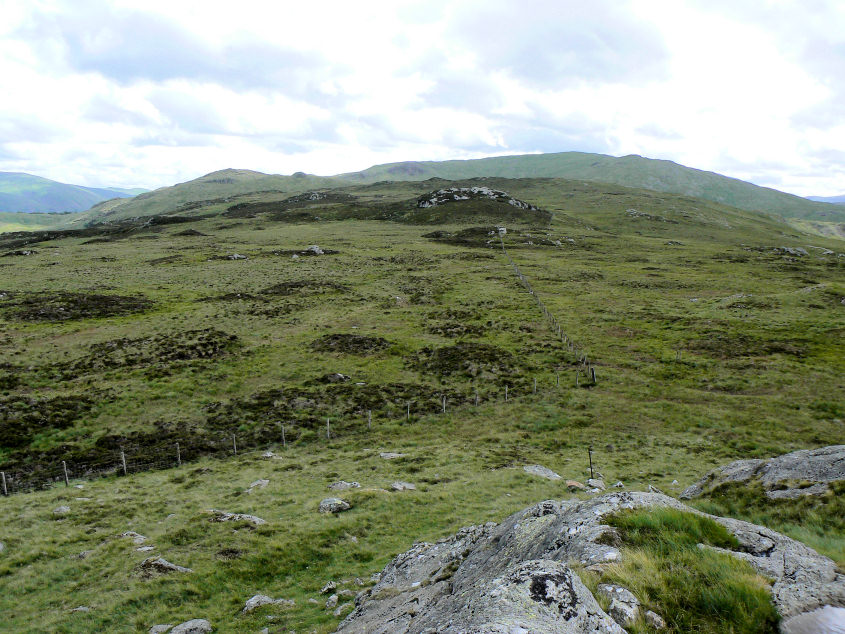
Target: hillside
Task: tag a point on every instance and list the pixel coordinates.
(836, 200)
(631, 171)
(25, 193)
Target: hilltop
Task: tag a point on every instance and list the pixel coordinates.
(25, 193)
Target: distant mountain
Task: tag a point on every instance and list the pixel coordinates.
(836, 200)
(26, 193)
(630, 171)
(212, 191)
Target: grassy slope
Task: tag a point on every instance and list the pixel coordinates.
(756, 376)
(33, 194)
(30, 222)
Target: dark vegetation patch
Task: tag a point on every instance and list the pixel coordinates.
(483, 237)
(308, 199)
(168, 259)
(309, 252)
(470, 359)
(23, 417)
(351, 344)
(725, 345)
(424, 289)
(206, 343)
(454, 329)
(304, 286)
(65, 306)
(476, 211)
(191, 233)
(410, 258)
(454, 314)
(19, 252)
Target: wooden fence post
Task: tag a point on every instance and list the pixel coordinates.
(506, 392)
(408, 418)
(284, 441)
(328, 429)
(5, 490)
(593, 374)
(123, 460)
(235, 444)
(476, 398)
(64, 468)
(535, 385)
(444, 404)
(369, 419)
(178, 456)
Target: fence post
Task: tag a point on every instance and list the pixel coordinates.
(506, 392)
(557, 379)
(409, 412)
(64, 468)
(328, 429)
(123, 460)
(590, 453)
(535, 385)
(476, 398)
(178, 456)
(5, 490)
(234, 444)
(576, 377)
(284, 442)
(593, 374)
(444, 404)
(369, 419)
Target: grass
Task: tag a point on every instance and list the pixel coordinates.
(683, 386)
(694, 590)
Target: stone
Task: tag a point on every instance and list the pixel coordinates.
(596, 483)
(2, 547)
(136, 538)
(619, 485)
(267, 455)
(223, 516)
(624, 606)
(540, 471)
(389, 455)
(343, 608)
(160, 629)
(262, 599)
(194, 626)
(342, 485)
(814, 468)
(145, 549)
(314, 601)
(236, 256)
(334, 505)
(331, 602)
(329, 587)
(314, 250)
(654, 489)
(334, 377)
(161, 565)
(825, 620)
(61, 510)
(403, 486)
(574, 485)
(654, 620)
(81, 608)
(496, 578)
(258, 484)
(294, 257)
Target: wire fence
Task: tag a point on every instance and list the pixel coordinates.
(129, 459)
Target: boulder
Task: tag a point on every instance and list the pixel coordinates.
(813, 468)
(223, 516)
(61, 511)
(654, 620)
(389, 455)
(334, 505)
(540, 471)
(343, 608)
(194, 626)
(624, 606)
(329, 587)
(500, 578)
(160, 629)
(262, 599)
(596, 483)
(574, 485)
(258, 484)
(342, 485)
(826, 620)
(136, 538)
(314, 250)
(403, 486)
(331, 602)
(160, 565)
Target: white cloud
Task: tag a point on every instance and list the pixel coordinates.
(149, 93)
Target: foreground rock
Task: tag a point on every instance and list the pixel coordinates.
(194, 626)
(223, 516)
(815, 469)
(334, 505)
(260, 600)
(343, 485)
(160, 565)
(541, 472)
(514, 577)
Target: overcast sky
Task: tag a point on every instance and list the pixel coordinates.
(153, 92)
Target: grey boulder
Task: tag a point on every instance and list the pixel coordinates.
(334, 505)
(540, 471)
(194, 626)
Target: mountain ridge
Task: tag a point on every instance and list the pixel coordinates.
(27, 193)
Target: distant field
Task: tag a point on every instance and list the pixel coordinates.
(29, 222)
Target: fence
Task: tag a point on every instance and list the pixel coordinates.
(127, 459)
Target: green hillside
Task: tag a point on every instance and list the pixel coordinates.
(25, 193)
(632, 171)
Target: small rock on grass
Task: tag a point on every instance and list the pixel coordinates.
(136, 538)
(343, 607)
(159, 564)
(596, 483)
(329, 587)
(403, 486)
(541, 471)
(258, 484)
(2, 547)
(194, 626)
(574, 485)
(389, 455)
(160, 629)
(223, 516)
(334, 505)
(81, 608)
(331, 602)
(262, 599)
(655, 620)
(59, 511)
(343, 485)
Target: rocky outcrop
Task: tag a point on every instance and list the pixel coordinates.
(540, 471)
(224, 516)
(334, 505)
(455, 194)
(806, 472)
(514, 577)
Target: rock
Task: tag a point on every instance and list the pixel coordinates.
(81, 608)
(84, 554)
(314, 601)
(136, 538)
(540, 471)
(334, 505)
(596, 483)
(792, 250)
(389, 455)
(334, 377)
(343, 608)
(818, 467)
(314, 250)
(342, 485)
(160, 629)
(262, 599)
(236, 256)
(403, 486)
(624, 606)
(654, 489)
(61, 510)
(294, 257)
(2, 547)
(496, 578)
(258, 484)
(331, 602)
(145, 549)
(267, 455)
(574, 485)
(329, 587)
(654, 620)
(194, 626)
(161, 565)
(826, 620)
(619, 485)
(223, 516)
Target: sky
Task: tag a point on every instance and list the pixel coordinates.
(149, 93)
